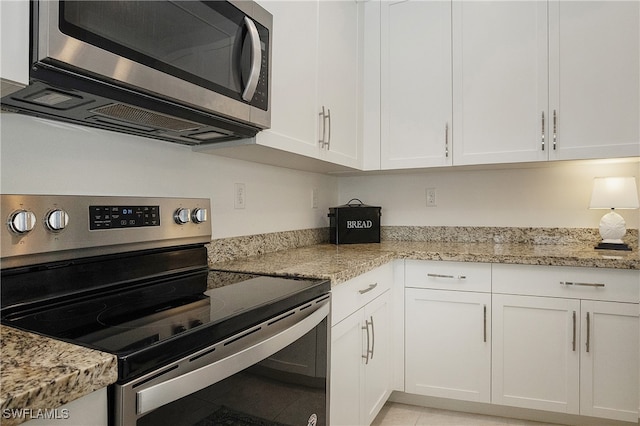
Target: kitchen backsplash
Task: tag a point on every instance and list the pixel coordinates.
(236, 247)
(499, 235)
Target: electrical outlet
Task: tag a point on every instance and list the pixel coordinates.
(314, 198)
(430, 194)
(240, 196)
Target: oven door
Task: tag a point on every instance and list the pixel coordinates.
(211, 55)
(275, 372)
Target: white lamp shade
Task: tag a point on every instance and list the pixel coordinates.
(614, 193)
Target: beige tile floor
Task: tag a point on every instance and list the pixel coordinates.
(395, 414)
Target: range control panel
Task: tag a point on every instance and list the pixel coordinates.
(110, 217)
(42, 228)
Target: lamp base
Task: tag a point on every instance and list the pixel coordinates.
(613, 246)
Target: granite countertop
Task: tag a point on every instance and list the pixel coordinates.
(43, 373)
(39, 373)
(343, 262)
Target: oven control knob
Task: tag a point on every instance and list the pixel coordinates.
(21, 221)
(56, 220)
(199, 215)
(178, 329)
(182, 216)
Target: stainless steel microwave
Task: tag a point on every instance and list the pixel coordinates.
(184, 71)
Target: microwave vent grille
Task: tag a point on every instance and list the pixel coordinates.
(136, 115)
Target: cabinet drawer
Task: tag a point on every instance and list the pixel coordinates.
(617, 285)
(352, 295)
(460, 276)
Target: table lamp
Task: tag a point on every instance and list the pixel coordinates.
(613, 193)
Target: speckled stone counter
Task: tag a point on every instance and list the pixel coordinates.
(341, 263)
(42, 373)
(39, 373)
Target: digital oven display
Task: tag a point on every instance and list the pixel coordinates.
(115, 217)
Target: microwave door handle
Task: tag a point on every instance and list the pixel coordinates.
(256, 60)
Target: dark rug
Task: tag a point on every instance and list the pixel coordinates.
(227, 416)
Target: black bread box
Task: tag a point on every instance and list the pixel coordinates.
(354, 223)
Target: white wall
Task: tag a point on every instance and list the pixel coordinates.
(46, 157)
(547, 195)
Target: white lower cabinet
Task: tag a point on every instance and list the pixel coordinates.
(448, 344)
(448, 330)
(571, 348)
(535, 353)
(609, 360)
(361, 352)
(89, 410)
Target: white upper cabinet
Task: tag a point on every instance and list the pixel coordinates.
(489, 82)
(316, 66)
(594, 66)
(14, 60)
(416, 84)
(499, 81)
(536, 81)
(340, 65)
(294, 70)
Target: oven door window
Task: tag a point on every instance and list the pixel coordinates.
(204, 43)
(287, 388)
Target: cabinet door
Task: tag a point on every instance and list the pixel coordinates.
(451, 361)
(500, 82)
(609, 361)
(416, 84)
(595, 78)
(14, 63)
(347, 351)
(294, 69)
(88, 410)
(535, 360)
(378, 368)
(340, 62)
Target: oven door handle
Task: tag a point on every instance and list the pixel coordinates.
(173, 389)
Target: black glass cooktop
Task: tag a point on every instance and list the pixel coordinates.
(159, 322)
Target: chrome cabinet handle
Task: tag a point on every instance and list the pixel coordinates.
(453, 277)
(368, 351)
(256, 60)
(573, 342)
(328, 144)
(373, 337)
(368, 289)
(582, 284)
(543, 138)
(588, 332)
(324, 141)
(485, 323)
(555, 129)
(446, 140)
(323, 117)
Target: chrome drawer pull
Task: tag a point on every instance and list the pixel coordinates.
(573, 342)
(368, 289)
(543, 139)
(366, 357)
(588, 332)
(459, 277)
(582, 284)
(485, 323)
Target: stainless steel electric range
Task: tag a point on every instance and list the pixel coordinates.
(130, 276)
